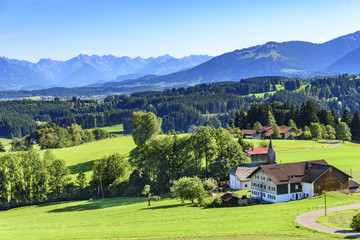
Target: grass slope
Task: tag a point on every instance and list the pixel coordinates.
(6, 143)
(82, 157)
(131, 218)
(338, 220)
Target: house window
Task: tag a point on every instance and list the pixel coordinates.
(341, 184)
(296, 187)
(245, 185)
(318, 187)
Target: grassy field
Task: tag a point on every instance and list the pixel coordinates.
(338, 220)
(289, 145)
(115, 129)
(82, 157)
(6, 143)
(126, 218)
(344, 157)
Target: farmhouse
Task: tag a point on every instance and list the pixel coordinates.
(293, 181)
(239, 175)
(250, 134)
(285, 131)
(257, 154)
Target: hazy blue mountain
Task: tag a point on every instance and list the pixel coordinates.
(14, 77)
(86, 70)
(272, 58)
(350, 63)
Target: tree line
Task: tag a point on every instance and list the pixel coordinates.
(205, 104)
(309, 119)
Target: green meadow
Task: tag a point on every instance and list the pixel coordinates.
(131, 218)
(290, 145)
(338, 220)
(115, 129)
(6, 143)
(82, 157)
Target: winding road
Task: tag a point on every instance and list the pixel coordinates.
(308, 220)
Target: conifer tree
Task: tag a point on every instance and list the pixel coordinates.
(355, 125)
(346, 116)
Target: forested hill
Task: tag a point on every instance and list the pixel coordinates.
(205, 104)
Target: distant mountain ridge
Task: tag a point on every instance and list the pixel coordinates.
(290, 59)
(84, 70)
(270, 59)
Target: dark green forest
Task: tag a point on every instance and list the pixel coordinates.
(201, 105)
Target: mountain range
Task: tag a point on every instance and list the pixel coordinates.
(291, 59)
(84, 70)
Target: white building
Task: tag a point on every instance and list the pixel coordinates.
(293, 181)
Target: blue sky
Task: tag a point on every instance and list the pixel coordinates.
(61, 29)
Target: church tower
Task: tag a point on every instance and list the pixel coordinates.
(271, 155)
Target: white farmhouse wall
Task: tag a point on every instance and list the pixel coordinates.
(308, 188)
(235, 183)
(245, 185)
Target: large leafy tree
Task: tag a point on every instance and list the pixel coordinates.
(189, 189)
(316, 130)
(145, 127)
(343, 131)
(229, 154)
(204, 145)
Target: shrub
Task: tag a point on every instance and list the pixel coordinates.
(355, 223)
(216, 202)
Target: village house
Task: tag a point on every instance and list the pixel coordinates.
(239, 175)
(293, 181)
(285, 131)
(257, 154)
(250, 134)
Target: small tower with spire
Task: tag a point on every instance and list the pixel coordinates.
(271, 155)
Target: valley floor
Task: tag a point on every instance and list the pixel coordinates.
(131, 218)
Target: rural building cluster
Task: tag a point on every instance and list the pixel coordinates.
(272, 182)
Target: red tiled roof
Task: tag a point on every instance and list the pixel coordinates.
(256, 150)
(269, 130)
(265, 129)
(248, 131)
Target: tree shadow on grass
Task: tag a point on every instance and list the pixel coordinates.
(81, 167)
(167, 206)
(98, 204)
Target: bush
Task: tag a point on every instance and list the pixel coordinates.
(216, 202)
(355, 223)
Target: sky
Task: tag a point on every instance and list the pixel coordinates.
(62, 29)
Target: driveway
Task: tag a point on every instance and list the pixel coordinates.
(309, 220)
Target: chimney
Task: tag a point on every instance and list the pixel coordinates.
(289, 177)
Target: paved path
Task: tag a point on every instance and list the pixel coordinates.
(309, 220)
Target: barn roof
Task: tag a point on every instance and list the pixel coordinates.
(307, 171)
(248, 131)
(256, 151)
(268, 130)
